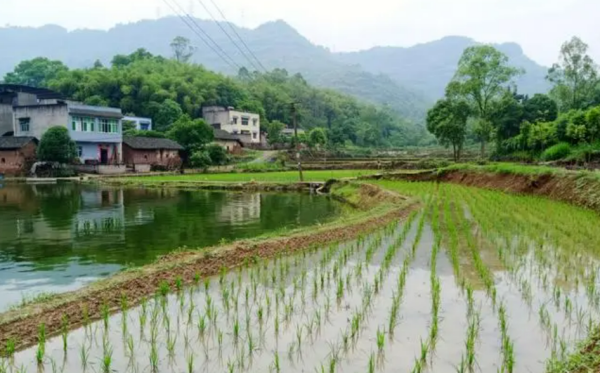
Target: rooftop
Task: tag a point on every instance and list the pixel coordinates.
(150, 143)
(41, 93)
(101, 111)
(11, 143)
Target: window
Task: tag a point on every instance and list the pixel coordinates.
(3, 161)
(235, 120)
(245, 121)
(76, 123)
(88, 124)
(80, 151)
(254, 121)
(144, 126)
(109, 126)
(24, 124)
(254, 135)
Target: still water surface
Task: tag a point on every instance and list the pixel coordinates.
(56, 238)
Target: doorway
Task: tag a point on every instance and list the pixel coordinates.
(103, 156)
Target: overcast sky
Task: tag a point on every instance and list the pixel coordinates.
(539, 26)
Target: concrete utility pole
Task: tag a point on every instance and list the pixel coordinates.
(293, 109)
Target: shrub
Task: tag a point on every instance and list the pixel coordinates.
(200, 159)
(218, 154)
(556, 152)
(57, 146)
(585, 153)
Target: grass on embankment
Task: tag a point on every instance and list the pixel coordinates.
(517, 169)
(284, 176)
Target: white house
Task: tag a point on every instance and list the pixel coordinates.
(233, 121)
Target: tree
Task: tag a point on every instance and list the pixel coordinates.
(218, 154)
(57, 146)
(575, 76)
(191, 134)
(317, 137)
(274, 129)
(200, 159)
(593, 123)
(36, 72)
(447, 121)
(482, 77)
(168, 112)
(540, 108)
(182, 49)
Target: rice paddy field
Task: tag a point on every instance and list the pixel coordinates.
(473, 281)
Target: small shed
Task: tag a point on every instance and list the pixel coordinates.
(229, 141)
(144, 153)
(16, 154)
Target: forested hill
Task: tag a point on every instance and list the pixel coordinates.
(408, 80)
(276, 44)
(429, 67)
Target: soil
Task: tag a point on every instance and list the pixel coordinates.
(22, 325)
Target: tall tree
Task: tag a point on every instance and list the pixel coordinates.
(56, 145)
(36, 72)
(447, 120)
(540, 108)
(575, 76)
(191, 134)
(182, 48)
(482, 77)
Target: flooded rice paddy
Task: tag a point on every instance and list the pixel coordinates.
(475, 281)
(56, 238)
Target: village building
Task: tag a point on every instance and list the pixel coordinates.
(144, 154)
(244, 124)
(140, 123)
(230, 142)
(30, 112)
(17, 154)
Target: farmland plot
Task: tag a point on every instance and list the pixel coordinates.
(473, 281)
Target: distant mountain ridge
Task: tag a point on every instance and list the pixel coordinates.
(408, 80)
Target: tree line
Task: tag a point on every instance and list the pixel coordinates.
(482, 104)
(172, 89)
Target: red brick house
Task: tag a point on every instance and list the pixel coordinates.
(231, 142)
(16, 154)
(144, 153)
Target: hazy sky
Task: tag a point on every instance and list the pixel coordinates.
(539, 26)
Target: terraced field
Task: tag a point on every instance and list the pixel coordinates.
(474, 281)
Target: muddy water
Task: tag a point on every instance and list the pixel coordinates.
(296, 313)
(56, 238)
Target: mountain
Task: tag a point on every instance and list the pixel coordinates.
(428, 67)
(408, 80)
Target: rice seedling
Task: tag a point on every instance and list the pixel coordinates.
(371, 366)
(380, 340)
(11, 344)
(40, 352)
(153, 359)
(276, 363)
(106, 361)
(164, 288)
(84, 354)
(190, 363)
(64, 331)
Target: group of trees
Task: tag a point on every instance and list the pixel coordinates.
(167, 89)
(482, 104)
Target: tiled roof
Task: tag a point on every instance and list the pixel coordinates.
(11, 142)
(146, 143)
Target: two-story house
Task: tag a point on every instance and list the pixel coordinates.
(244, 124)
(30, 111)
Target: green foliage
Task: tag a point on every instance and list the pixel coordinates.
(144, 133)
(274, 129)
(575, 76)
(447, 120)
(317, 137)
(57, 146)
(182, 49)
(217, 154)
(200, 159)
(540, 108)
(191, 134)
(556, 152)
(168, 112)
(36, 72)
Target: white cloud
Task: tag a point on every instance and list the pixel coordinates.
(539, 26)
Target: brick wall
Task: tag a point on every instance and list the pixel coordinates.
(167, 158)
(15, 162)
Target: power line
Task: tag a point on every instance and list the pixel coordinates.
(228, 36)
(238, 35)
(218, 51)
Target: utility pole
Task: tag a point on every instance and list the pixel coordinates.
(293, 109)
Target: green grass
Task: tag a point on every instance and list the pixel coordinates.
(285, 176)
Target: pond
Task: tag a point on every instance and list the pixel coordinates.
(56, 238)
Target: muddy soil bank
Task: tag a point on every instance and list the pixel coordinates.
(580, 189)
(22, 325)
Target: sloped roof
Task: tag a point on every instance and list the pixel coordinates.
(149, 143)
(10, 142)
(224, 135)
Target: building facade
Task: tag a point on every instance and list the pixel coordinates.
(144, 153)
(96, 130)
(233, 121)
(140, 123)
(17, 154)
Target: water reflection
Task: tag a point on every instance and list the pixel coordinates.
(60, 237)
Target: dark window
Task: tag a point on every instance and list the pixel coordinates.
(245, 121)
(24, 124)
(80, 151)
(254, 135)
(3, 160)
(235, 120)
(254, 121)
